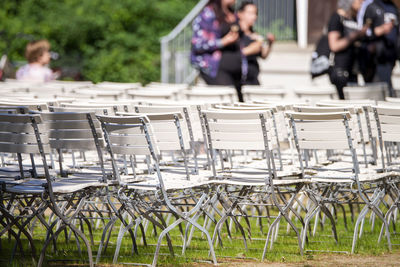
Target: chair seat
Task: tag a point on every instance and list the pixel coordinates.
(256, 177)
(11, 181)
(252, 181)
(340, 177)
(172, 181)
(64, 186)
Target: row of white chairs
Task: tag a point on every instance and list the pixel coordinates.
(174, 92)
(152, 168)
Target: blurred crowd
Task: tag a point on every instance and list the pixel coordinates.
(225, 46)
(362, 38)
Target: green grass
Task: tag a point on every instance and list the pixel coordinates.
(285, 248)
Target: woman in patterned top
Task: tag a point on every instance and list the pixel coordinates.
(38, 55)
(216, 48)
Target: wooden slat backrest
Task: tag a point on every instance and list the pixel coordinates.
(30, 105)
(251, 92)
(86, 105)
(353, 121)
(17, 134)
(321, 130)
(236, 129)
(393, 99)
(357, 103)
(279, 114)
(152, 94)
(97, 111)
(375, 92)
(270, 125)
(186, 120)
(14, 109)
(389, 120)
(315, 94)
(126, 134)
(211, 93)
(72, 130)
(121, 105)
(164, 126)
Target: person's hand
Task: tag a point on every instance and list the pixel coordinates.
(270, 38)
(383, 29)
(256, 46)
(387, 27)
(363, 30)
(230, 38)
(256, 37)
(356, 35)
(253, 48)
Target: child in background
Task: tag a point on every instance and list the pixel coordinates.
(38, 55)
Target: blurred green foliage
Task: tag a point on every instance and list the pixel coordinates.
(103, 40)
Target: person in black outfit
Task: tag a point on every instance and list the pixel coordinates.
(254, 44)
(230, 66)
(343, 32)
(381, 41)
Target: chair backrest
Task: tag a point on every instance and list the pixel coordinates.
(153, 94)
(129, 136)
(194, 108)
(276, 132)
(237, 130)
(392, 99)
(25, 134)
(315, 94)
(258, 92)
(72, 131)
(118, 85)
(211, 94)
(322, 131)
(14, 109)
(185, 119)
(35, 106)
(164, 126)
(96, 110)
(103, 93)
(279, 116)
(116, 107)
(368, 126)
(354, 120)
(369, 91)
(388, 124)
(347, 102)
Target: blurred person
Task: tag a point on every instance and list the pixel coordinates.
(216, 49)
(361, 12)
(343, 32)
(254, 44)
(380, 45)
(38, 56)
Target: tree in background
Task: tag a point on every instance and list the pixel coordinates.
(102, 40)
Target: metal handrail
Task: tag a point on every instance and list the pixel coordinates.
(185, 21)
(165, 54)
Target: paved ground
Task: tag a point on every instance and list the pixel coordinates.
(324, 260)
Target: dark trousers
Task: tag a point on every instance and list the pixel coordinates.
(340, 77)
(384, 74)
(225, 78)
